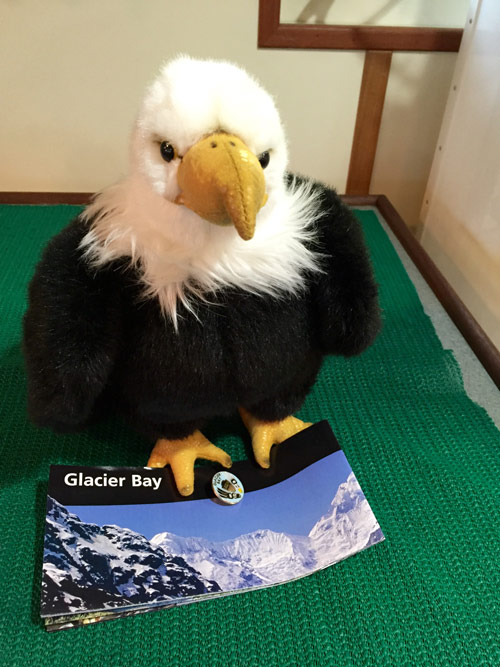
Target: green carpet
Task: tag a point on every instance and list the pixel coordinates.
(427, 458)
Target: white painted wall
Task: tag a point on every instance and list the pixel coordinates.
(416, 96)
(461, 210)
(72, 75)
(422, 13)
(71, 79)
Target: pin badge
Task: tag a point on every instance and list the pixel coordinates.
(227, 487)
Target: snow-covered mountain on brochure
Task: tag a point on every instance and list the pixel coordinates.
(348, 527)
(89, 567)
(259, 558)
(266, 557)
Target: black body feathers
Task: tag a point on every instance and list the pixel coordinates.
(89, 334)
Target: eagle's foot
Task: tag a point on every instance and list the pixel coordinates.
(181, 455)
(265, 434)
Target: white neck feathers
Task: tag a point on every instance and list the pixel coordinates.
(179, 255)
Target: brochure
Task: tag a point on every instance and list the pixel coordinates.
(122, 541)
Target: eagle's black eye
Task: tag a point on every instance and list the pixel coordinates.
(264, 159)
(167, 151)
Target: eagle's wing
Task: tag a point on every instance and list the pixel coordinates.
(71, 333)
(345, 295)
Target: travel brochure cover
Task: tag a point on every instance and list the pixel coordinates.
(122, 541)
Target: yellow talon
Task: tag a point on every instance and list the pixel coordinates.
(266, 434)
(181, 456)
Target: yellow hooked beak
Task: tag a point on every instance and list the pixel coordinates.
(222, 181)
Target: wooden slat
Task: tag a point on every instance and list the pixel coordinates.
(369, 116)
(37, 198)
(360, 200)
(273, 34)
(269, 18)
(471, 330)
(353, 37)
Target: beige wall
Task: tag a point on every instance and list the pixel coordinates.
(72, 74)
(416, 97)
(461, 210)
(432, 13)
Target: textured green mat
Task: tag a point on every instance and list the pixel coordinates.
(427, 458)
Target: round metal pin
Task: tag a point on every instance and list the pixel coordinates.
(227, 487)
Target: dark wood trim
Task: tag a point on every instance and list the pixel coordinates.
(273, 34)
(360, 200)
(37, 198)
(369, 116)
(482, 346)
(269, 21)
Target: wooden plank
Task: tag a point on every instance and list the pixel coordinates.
(360, 200)
(76, 198)
(273, 34)
(369, 116)
(41, 198)
(353, 37)
(471, 330)
(269, 18)
(37, 198)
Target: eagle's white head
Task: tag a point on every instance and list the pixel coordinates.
(206, 204)
(193, 99)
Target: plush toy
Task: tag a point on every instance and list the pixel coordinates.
(208, 281)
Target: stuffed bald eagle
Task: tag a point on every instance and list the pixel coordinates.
(207, 281)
